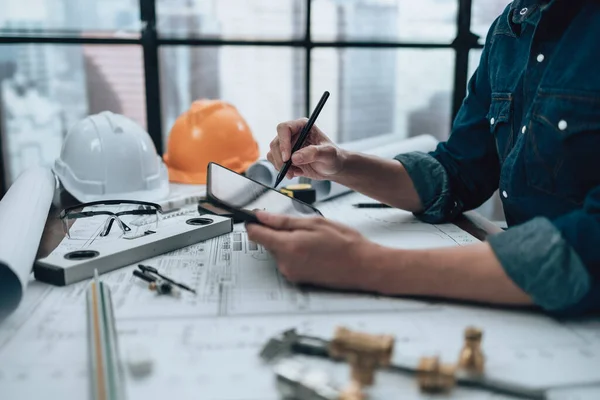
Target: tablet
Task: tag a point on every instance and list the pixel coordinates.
(241, 196)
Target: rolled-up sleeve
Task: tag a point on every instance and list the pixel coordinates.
(553, 261)
(541, 262)
(557, 262)
(432, 185)
(462, 172)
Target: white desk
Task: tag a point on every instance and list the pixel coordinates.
(206, 347)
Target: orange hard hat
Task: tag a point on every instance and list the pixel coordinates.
(211, 130)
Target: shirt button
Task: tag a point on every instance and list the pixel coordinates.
(492, 121)
(562, 124)
(523, 11)
(540, 58)
(504, 194)
(524, 129)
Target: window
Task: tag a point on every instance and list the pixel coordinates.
(474, 57)
(45, 89)
(389, 65)
(265, 84)
(484, 13)
(384, 20)
(70, 18)
(232, 19)
(381, 91)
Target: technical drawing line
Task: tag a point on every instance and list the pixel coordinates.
(446, 235)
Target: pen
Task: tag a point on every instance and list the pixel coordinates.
(147, 268)
(161, 286)
(144, 277)
(371, 205)
(302, 137)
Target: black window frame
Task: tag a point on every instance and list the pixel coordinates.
(149, 40)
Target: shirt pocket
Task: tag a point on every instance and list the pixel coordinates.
(500, 117)
(563, 143)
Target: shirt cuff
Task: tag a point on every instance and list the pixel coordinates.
(432, 185)
(541, 262)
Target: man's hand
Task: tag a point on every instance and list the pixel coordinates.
(315, 250)
(318, 159)
(322, 252)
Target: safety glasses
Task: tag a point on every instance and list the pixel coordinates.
(111, 218)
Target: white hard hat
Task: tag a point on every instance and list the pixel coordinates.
(109, 157)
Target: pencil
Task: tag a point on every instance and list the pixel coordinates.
(105, 366)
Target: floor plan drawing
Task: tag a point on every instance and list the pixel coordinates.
(202, 344)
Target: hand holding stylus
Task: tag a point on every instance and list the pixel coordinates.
(316, 156)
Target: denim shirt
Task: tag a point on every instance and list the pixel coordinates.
(530, 128)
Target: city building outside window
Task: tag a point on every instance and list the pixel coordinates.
(389, 65)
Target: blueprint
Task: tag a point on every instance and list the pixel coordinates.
(206, 345)
(392, 227)
(233, 277)
(30, 195)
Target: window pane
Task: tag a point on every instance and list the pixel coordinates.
(376, 92)
(389, 20)
(70, 17)
(265, 84)
(483, 14)
(474, 57)
(232, 19)
(45, 89)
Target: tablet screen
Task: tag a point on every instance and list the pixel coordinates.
(238, 191)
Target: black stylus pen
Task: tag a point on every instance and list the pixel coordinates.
(302, 138)
(371, 205)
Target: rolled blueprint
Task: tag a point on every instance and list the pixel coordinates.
(385, 146)
(181, 195)
(23, 213)
(264, 172)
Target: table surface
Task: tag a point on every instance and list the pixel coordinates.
(193, 349)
